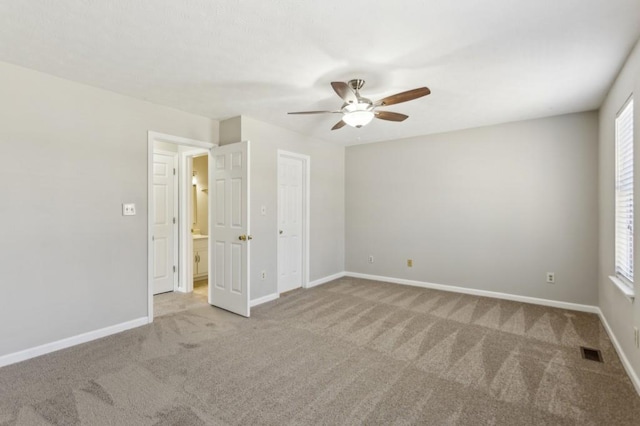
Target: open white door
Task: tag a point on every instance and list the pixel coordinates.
(164, 270)
(229, 237)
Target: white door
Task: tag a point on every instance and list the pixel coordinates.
(290, 222)
(229, 239)
(163, 223)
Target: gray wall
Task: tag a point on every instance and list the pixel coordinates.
(71, 155)
(621, 315)
(230, 130)
(326, 200)
(492, 208)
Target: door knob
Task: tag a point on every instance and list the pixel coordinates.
(242, 238)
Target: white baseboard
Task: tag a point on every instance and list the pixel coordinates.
(274, 296)
(325, 280)
(264, 299)
(623, 358)
(70, 341)
(475, 292)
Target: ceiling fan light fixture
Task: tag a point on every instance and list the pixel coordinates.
(358, 111)
(358, 118)
(358, 114)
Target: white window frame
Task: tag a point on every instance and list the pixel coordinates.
(624, 242)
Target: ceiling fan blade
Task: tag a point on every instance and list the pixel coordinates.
(391, 116)
(339, 125)
(344, 91)
(314, 112)
(409, 95)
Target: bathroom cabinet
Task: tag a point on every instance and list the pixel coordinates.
(200, 256)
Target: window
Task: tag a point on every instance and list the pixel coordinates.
(624, 193)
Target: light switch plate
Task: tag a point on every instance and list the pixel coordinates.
(129, 209)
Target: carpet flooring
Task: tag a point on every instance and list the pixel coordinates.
(348, 352)
(173, 301)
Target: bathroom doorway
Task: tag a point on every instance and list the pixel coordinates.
(200, 224)
(185, 214)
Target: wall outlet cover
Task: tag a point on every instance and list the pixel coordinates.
(129, 209)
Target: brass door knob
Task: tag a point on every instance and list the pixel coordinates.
(242, 238)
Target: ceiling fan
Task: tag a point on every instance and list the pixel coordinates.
(358, 111)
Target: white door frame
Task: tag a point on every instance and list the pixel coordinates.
(186, 267)
(184, 264)
(176, 210)
(306, 194)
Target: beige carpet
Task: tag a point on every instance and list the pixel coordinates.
(174, 301)
(348, 352)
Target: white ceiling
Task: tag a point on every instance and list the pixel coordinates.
(486, 62)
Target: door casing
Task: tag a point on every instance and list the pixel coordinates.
(186, 169)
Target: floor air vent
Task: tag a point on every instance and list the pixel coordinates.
(591, 354)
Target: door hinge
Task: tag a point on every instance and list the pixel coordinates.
(174, 269)
(174, 171)
(174, 220)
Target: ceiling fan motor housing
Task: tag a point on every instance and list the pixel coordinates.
(356, 84)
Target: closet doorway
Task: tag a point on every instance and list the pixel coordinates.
(293, 220)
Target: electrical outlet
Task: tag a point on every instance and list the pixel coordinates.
(370, 259)
(551, 277)
(410, 263)
(128, 209)
(263, 275)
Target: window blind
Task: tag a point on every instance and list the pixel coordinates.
(624, 192)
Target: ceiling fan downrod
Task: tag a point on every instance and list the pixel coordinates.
(356, 84)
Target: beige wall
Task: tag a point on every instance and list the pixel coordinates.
(492, 208)
(201, 167)
(326, 199)
(621, 314)
(70, 156)
(165, 146)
